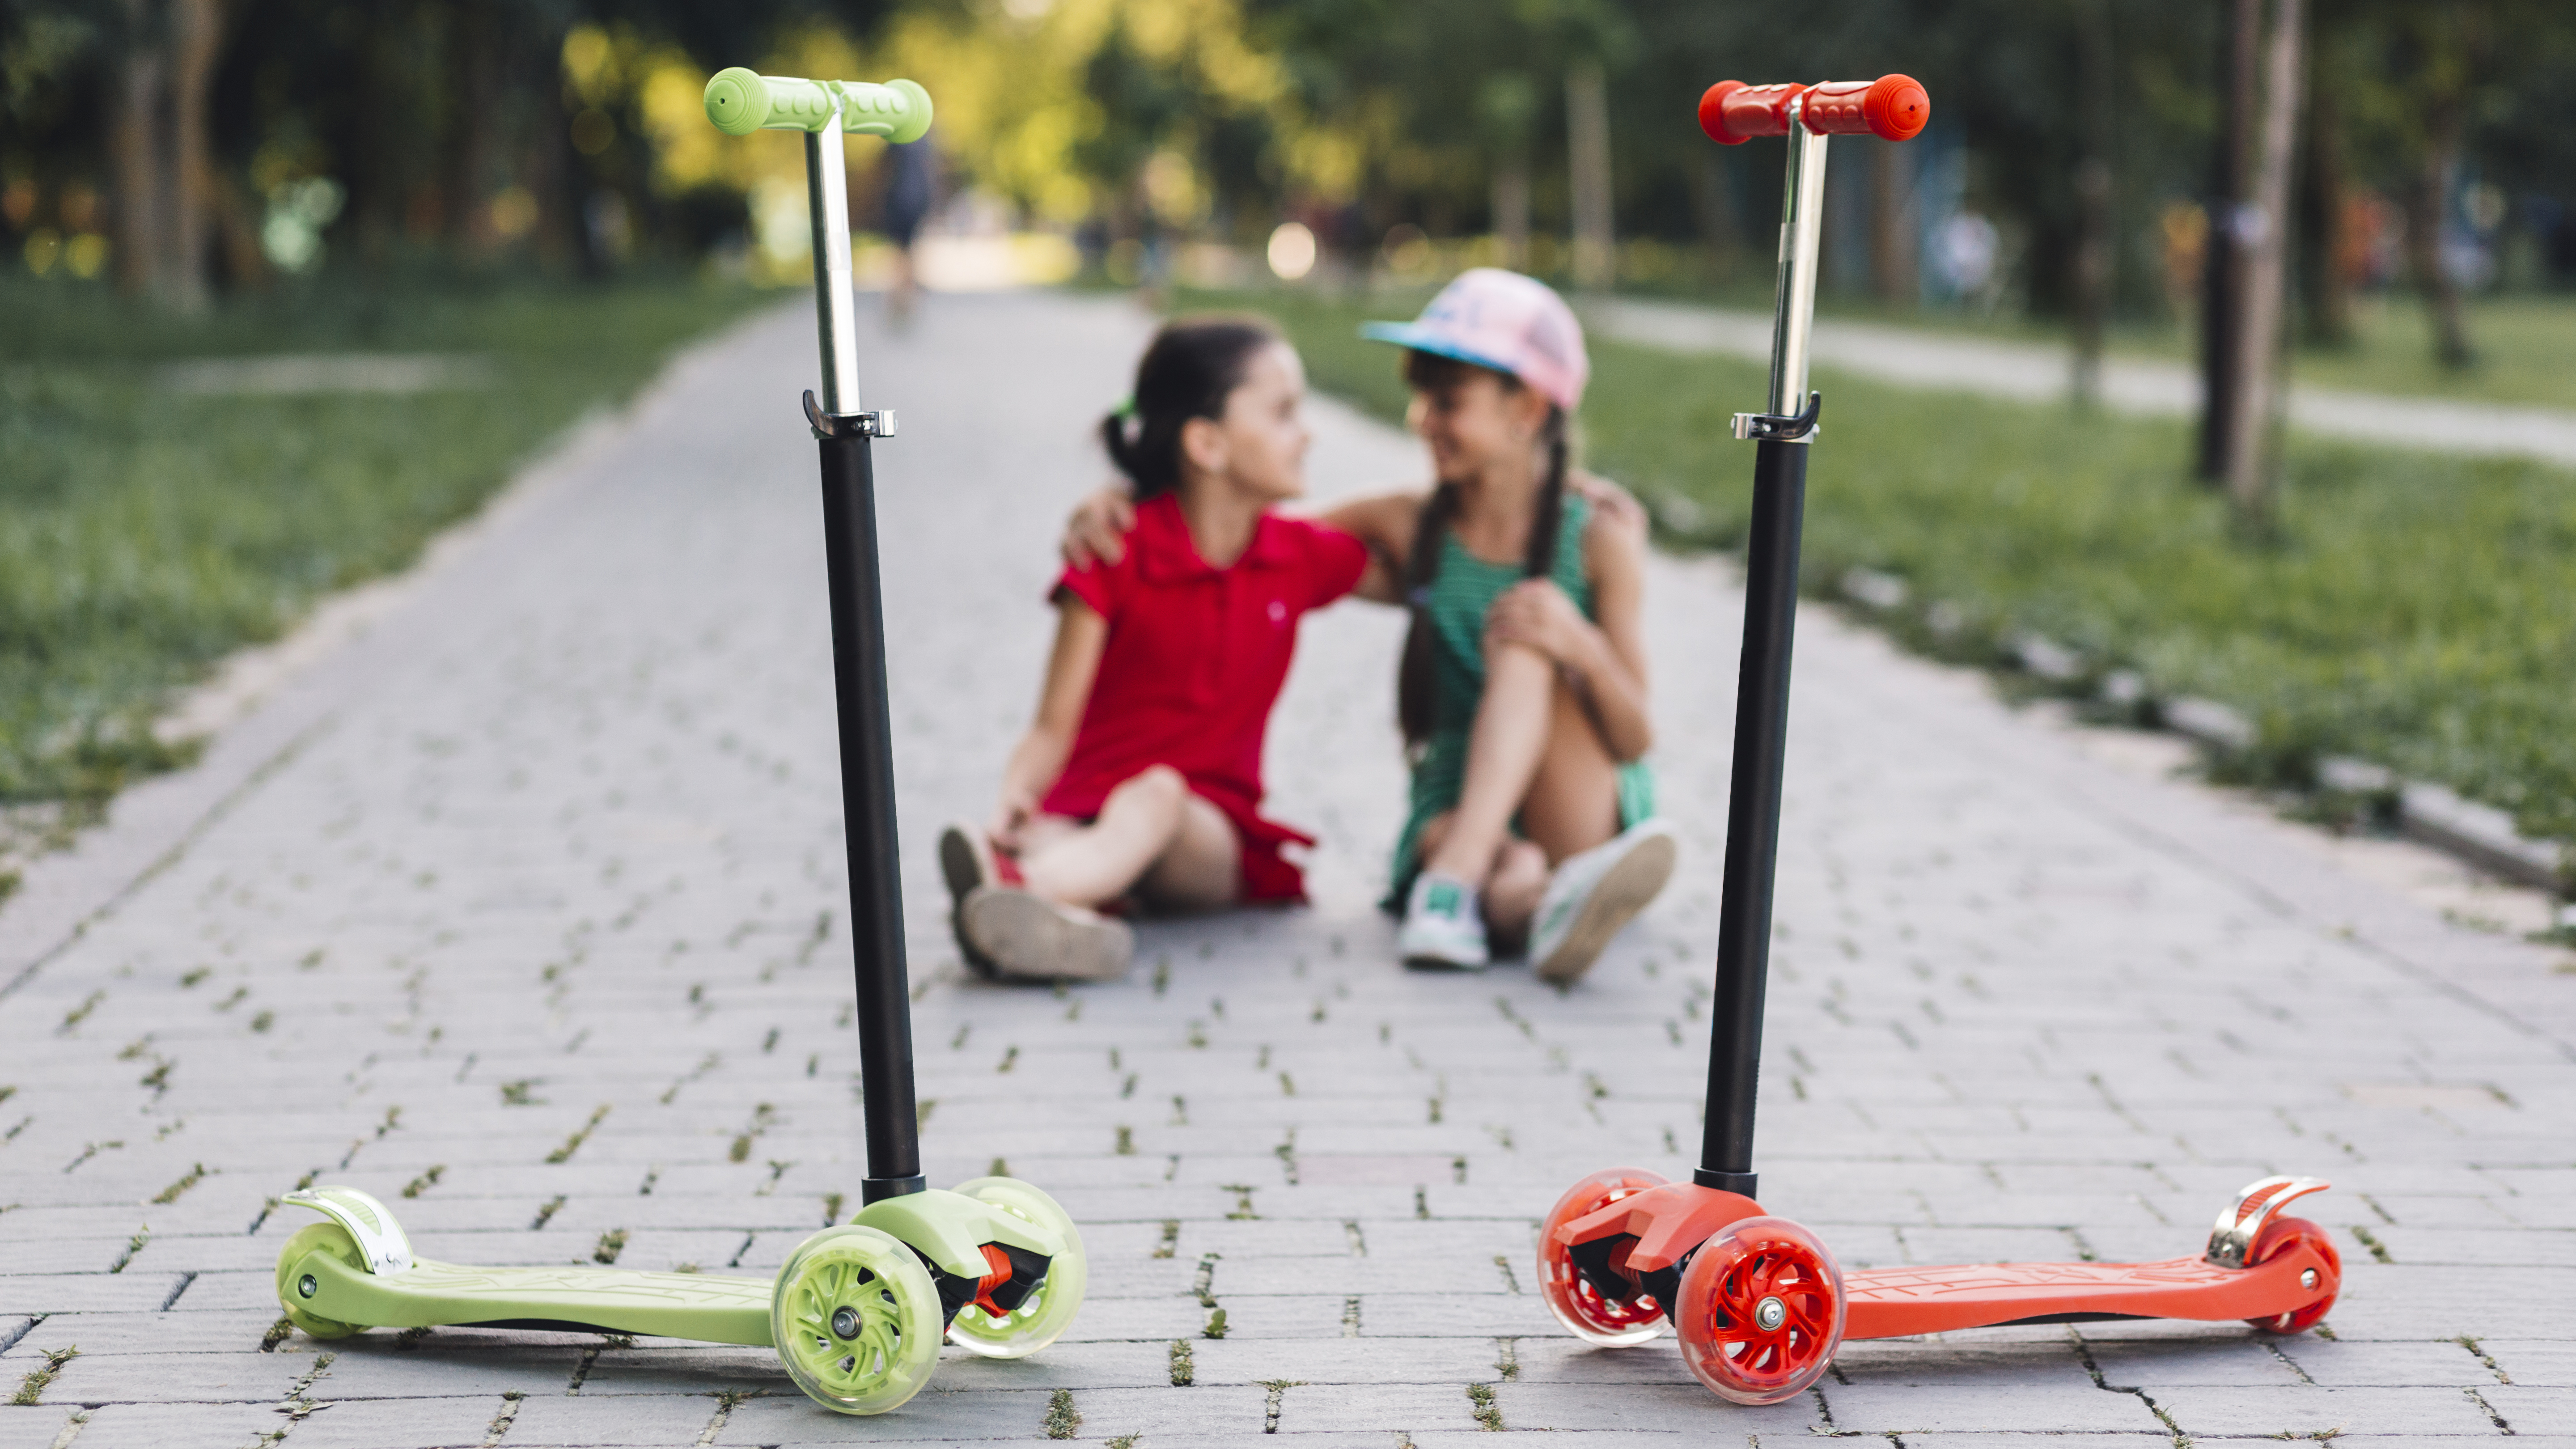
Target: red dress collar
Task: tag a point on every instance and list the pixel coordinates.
(1166, 552)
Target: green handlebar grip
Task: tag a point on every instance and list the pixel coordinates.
(740, 102)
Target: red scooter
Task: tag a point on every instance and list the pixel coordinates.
(1758, 1302)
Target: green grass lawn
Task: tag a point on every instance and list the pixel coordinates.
(2409, 608)
(2526, 342)
(144, 534)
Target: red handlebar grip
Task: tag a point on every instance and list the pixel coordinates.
(1733, 113)
(1893, 108)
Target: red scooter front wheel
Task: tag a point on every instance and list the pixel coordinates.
(1585, 1311)
(2277, 1238)
(1761, 1311)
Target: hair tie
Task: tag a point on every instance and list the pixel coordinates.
(1420, 598)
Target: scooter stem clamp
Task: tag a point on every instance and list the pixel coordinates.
(1773, 428)
(878, 424)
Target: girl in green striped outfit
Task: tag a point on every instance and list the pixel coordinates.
(1523, 687)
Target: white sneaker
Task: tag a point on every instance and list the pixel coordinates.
(1444, 925)
(1027, 935)
(1592, 895)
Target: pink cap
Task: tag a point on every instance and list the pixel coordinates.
(1504, 321)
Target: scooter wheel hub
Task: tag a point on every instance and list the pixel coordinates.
(1760, 1312)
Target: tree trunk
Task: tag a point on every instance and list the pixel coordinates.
(2093, 187)
(475, 159)
(197, 28)
(237, 221)
(2323, 284)
(1587, 128)
(2222, 264)
(2252, 461)
(1891, 227)
(1512, 211)
(1714, 207)
(2427, 204)
(555, 174)
(134, 144)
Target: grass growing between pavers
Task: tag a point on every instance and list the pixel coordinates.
(146, 532)
(2407, 608)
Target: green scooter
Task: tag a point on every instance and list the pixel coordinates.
(858, 1312)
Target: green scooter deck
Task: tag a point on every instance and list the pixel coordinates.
(392, 1289)
(584, 1300)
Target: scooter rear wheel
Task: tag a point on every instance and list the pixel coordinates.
(1585, 1311)
(311, 1238)
(1761, 1311)
(2277, 1237)
(856, 1320)
(1049, 1309)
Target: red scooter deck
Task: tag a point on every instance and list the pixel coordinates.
(1900, 1302)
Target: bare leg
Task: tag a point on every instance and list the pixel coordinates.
(1503, 751)
(1151, 830)
(1099, 861)
(1202, 869)
(1533, 753)
(1573, 800)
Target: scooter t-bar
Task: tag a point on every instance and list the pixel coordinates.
(1758, 1302)
(1893, 108)
(740, 102)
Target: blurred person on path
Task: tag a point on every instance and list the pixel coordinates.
(908, 194)
(1139, 782)
(1523, 690)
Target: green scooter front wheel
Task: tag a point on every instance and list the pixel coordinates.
(328, 1238)
(856, 1320)
(1048, 1310)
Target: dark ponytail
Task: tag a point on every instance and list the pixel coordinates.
(1413, 680)
(1193, 366)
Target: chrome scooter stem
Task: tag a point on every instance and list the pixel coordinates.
(1802, 224)
(827, 199)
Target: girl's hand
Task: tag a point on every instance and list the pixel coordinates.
(1611, 504)
(1536, 613)
(1017, 808)
(1096, 531)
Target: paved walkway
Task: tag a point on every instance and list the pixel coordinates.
(523, 913)
(2037, 372)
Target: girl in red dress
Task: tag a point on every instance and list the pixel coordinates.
(1141, 776)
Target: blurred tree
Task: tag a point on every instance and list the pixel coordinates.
(2253, 430)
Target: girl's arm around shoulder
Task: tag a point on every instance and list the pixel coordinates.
(1384, 522)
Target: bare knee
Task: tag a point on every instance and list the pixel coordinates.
(1157, 789)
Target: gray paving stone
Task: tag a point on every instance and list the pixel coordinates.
(1643, 1407)
(2004, 1402)
(2222, 1411)
(560, 830)
(33, 1426)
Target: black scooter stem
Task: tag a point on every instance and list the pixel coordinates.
(1753, 815)
(867, 808)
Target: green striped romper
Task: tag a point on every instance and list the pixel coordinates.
(1466, 587)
